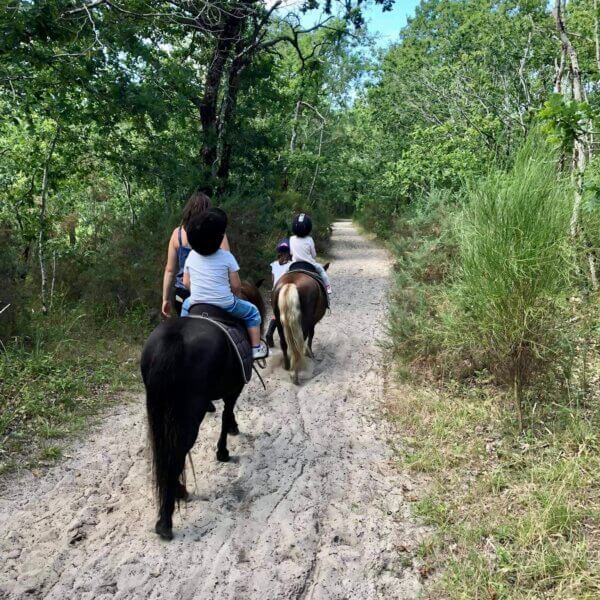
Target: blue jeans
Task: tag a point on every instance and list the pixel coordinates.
(242, 309)
(185, 307)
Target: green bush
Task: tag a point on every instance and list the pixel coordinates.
(508, 303)
(424, 246)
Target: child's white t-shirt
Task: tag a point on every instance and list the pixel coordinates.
(278, 270)
(209, 277)
(303, 248)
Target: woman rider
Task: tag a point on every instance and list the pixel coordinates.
(177, 253)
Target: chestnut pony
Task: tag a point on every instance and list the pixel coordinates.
(187, 363)
(299, 303)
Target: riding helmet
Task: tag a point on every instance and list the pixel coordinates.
(283, 246)
(302, 225)
(206, 231)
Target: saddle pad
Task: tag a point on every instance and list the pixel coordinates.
(233, 328)
(299, 267)
(303, 265)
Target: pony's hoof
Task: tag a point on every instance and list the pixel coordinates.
(223, 455)
(164, 531)
(181, 493)
(233, 429)
(270, 342)
(295, 379)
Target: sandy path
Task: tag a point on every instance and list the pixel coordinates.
(308, 508)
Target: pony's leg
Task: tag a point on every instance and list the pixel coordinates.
(309, 350)
(284, 346)
(228, 425)
(181, 492)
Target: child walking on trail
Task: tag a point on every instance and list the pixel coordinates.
(302, 246)
(278, 268)
(212, 274)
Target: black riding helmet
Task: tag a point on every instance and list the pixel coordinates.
(302, 225)
(206, 231)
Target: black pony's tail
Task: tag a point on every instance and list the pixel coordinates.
(164, 404)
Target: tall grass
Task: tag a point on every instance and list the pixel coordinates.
(508, 303)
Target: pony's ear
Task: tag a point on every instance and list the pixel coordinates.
(325, 266)
(259, 283)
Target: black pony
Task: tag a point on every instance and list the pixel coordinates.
(186, 363)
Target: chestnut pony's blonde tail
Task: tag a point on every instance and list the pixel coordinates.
(288, 302)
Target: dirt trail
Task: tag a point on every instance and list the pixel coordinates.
(309, 507)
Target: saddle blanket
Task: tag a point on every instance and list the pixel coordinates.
(234, 329)
(302, 266)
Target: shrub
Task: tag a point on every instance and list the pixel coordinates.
(424, 246)
(513, 281)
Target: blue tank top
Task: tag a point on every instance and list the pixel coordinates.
(182, 254)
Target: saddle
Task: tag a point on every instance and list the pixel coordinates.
(302, 266)
(234, 329)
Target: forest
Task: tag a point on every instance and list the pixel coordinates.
(468, 146)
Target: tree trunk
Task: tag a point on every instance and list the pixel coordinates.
(522, 65)
(208, 104)
(597, 35)
(42, 218)
(560, 70)
(578, 89)
(294, 126)
(228, 106)
(317, 166)
(580, 151)
(127, 186)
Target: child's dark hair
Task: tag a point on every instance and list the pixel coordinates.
(198, 203)
(206, 231)
(302, 225)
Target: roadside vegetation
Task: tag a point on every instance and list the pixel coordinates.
(51, 382)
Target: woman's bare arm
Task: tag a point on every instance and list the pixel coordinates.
(170, 271)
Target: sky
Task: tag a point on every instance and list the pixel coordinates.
(388, 24)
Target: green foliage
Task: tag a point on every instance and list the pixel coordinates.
(448, 100)
(424, 246)
(566, 121)
(590, 213)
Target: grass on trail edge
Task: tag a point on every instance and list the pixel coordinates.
(51, 387)
(513, 516)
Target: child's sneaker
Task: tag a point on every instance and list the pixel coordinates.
(260, 351)
(328, 288)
